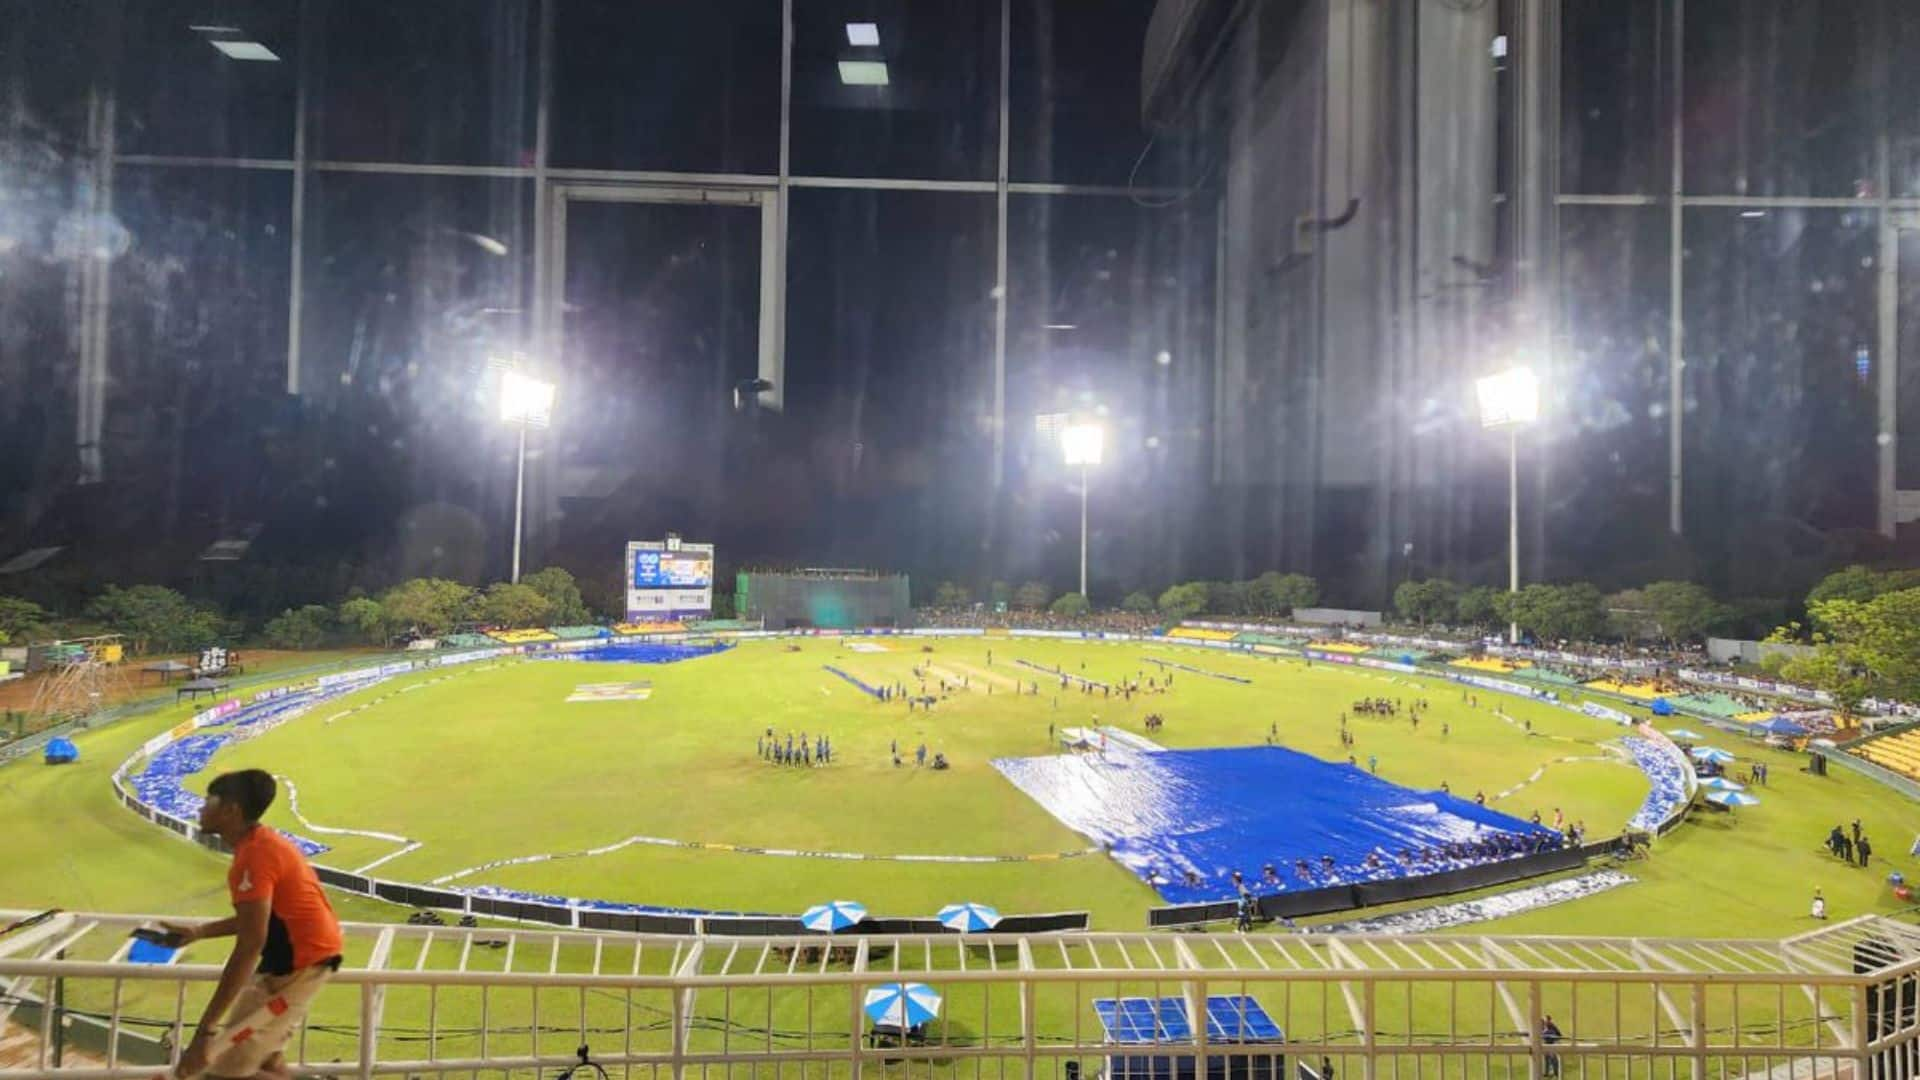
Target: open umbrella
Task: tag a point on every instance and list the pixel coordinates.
(969, 917)
(1780, 725)
(1720, 783)
(1711, 753)
(1733, 798)
(902, 1005)
(1683, 733)
(833, 915)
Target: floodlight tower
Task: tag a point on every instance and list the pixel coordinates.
(1511, 401)
(1080, 444)
(525, 402)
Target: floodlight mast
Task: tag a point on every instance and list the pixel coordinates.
(1510, 401)
(1081, 444)
(525, 402)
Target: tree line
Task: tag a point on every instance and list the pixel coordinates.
(156, 619)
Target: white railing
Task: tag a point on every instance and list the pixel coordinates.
(441, 1001)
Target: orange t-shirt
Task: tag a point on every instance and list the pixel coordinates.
(302, 930)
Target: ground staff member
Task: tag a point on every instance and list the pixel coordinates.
(286, 938)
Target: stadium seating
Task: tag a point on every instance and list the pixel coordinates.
(1711, 703)
(522, 637)
(1487, 663)
(1899, 752)
(1195, 633)
(1348, 648)
(467, 641)
(1250, 638)
(1757, 717)
(627, 628)
(1546, 677)
(1642, 691)
(579, 633)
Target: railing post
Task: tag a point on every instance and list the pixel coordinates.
(1535, 1054)
(1863, 1064)
(1366, 1029)
(1697, 1038)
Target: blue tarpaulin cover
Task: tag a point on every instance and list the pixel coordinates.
(1239, 808)
(60, 751)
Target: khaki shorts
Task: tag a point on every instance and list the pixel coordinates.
(263, 1018)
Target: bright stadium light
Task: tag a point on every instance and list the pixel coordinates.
(1080, 444)
(525, 402)
(1511, 400)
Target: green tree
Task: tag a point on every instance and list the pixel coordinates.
(1227, 597)
(1861, 584)
(1070, 604)
(1137, 602)
(1477, 606)
(1296, 591)
(951, 594)
(1864, 648)
(428, 606)
(1684, 611)
(1433, 600)
(21, 620)
(300, 628)
(364, 618)
(566, 607)
(1552, 612)
(1032, 596)
(514, 606)
(1001, 595)
(155, 617)
(1183, 601)
(1630, 615)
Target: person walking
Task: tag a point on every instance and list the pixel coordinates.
(1864, 848)
(287, 941)
(1550, 1034)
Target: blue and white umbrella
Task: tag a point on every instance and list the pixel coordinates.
(1683, 733)
(1711, 753)
(833, 915)
(969, 918)
(1720, 783)
(902, 1005)
(1733, 798)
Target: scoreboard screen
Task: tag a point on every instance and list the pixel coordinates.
(668, 580)
(672, 570)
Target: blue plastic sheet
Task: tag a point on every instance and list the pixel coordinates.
(1212, 812)
(643, 652)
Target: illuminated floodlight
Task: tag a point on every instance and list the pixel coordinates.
(863, 72)
(244, 50)
(864, 34)
(1509, 398)
(525, 400)
(1081, 444)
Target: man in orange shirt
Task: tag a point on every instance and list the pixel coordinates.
(287, 940)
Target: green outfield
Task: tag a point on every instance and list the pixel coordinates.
(487, 763)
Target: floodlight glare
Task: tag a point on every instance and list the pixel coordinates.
(525, 400)
(1082, 443)
(864, 34)
(1511, 397)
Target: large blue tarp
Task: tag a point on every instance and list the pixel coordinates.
(643, 652)
(1213, 812)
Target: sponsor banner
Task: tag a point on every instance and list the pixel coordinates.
(1275, 650)
(941, 631)
(1385, 665)
(1334, 658)
(1047, 633)
(1601, 712)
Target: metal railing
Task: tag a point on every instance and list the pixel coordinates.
(442, 1001)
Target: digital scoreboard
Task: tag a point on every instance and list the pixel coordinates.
(668, 579)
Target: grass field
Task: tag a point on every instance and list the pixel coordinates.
(485, 763)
